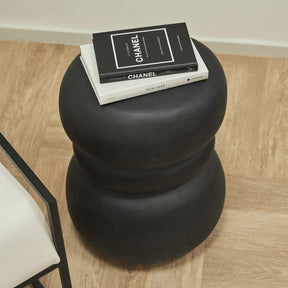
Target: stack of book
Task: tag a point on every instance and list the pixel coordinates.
(129, 63)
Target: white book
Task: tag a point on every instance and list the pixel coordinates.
(116, 91)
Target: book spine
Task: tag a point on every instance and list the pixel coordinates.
(150, 88)
(148, 74)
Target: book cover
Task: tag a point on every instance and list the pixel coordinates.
(116, 91)
(144, 52)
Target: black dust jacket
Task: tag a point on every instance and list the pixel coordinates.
(144, 52)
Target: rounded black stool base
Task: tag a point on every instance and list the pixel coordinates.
(147, 228)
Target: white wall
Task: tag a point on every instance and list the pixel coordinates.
(252, 22)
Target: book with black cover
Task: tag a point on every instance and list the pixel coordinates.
(116, 91)
(144, 52)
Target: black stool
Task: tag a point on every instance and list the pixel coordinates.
(145, 184)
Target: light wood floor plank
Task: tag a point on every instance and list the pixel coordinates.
(245, 269)
(253, 138)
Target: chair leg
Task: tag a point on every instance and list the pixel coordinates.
(64, 274)
(37, 284)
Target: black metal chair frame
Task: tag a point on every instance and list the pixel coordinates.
(53, 215)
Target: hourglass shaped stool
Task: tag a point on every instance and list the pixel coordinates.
(144, 184)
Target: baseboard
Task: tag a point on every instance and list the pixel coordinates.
(45, 36)
(221, 46)
(247, 47)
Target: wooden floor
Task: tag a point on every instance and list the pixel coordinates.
(249, 246)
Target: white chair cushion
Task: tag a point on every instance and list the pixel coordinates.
(26, 247)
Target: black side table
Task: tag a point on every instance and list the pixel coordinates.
(145, 184)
